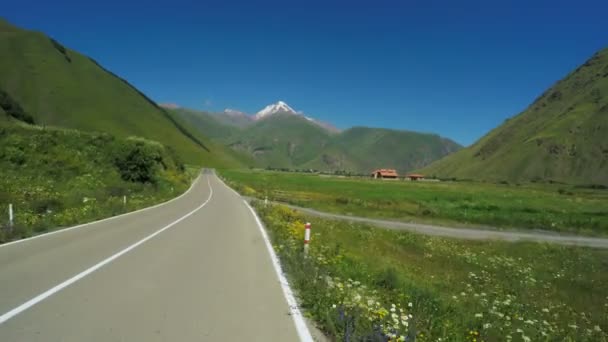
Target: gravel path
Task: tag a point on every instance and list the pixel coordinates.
(466, 233)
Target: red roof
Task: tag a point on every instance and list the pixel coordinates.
(415, 175)
(386, 172)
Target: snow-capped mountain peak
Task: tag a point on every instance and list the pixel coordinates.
(279, 107)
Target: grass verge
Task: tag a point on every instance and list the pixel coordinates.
(364, 283)
(550, 207)
(56, 178)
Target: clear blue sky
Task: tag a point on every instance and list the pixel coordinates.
(456, 68)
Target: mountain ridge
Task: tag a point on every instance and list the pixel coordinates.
(558, 137)
(285, 140)
(60, 87)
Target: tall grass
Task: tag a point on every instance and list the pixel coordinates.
(361, 283)
(56, 178)
(532, 206)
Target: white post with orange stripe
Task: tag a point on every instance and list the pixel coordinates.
(306, 237)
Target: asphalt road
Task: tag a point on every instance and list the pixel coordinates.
(466, 233)
(194, 269)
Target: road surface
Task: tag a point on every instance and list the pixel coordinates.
(464, 233)
(194, 269)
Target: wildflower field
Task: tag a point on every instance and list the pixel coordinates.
(57, 177)
(552, 207)
(364, 283)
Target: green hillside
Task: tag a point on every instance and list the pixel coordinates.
(560, 137)
(402, 150)
(60, 87)
(59, 177)
(221, 156)
(292, 142)
(283, 140)
(206, 124)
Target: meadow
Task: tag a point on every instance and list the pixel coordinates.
(58, 177)
(363, 283)
(550, 207)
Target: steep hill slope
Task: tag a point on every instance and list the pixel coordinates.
(207, 124)
(57, 177)
(562, 136)
(283, 140)
(401, 150)
(61, 87)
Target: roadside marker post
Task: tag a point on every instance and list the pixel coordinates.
(306, 237)
(266, 201)
(124, 200)
(10, 215)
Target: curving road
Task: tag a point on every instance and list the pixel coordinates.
(464, 233)
(197, 268)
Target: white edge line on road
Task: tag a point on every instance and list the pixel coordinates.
(14, 312)
(63, 230)
(294, 310)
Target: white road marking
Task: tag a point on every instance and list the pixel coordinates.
(63, 230)
(294, 310)
(19, 309)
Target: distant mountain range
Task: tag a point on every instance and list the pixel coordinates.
(562, 136)
(238, 118)
(280, 137)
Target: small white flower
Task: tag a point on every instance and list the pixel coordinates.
(478, 315)
(597, 328)
(410, 304)
(487, 325)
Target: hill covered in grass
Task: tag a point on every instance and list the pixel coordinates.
(59, 177)
(562, 136)
(293, 142)
(58, 86)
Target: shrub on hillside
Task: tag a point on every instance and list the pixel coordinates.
(137, 162)
(12, 108)
(62, 50)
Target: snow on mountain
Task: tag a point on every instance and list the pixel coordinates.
(276, 108)
(279, 107)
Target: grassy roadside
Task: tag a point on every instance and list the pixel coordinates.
(552, 207)
(362, 283)
(56, 178)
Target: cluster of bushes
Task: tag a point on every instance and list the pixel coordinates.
(57, 177)
(13, 108)
(137, 162)
(61, 49)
